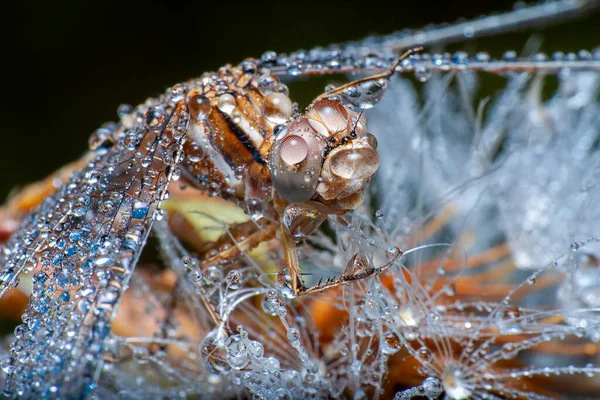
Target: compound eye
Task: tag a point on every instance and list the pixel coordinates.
(297, 161)
(330, 115)
(293, 149)
(359, 163)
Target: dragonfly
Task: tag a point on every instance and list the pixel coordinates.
(234, 133)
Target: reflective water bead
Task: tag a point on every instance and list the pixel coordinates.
(271, 365)
(174, 174)
(234, 279)
(159, 215)
(124, 109)
(424, 355)
(29, 264)
(79, 206)
(226, 103)
(156, 119)
(199, 107)
(432, 387)
(195, 276)
(291, 378)
(249, 67)
(100, 139)
(6, 365)
(178, 156)
(509, 320)
(366, 94)
(277, 108)
(422, 73)
(293, 335)
(256, 349)
(392, 253)
(177, 91)
(268, 306)
(509, 350)
(237, 354)
(131, 140)
(268, 57)
(214, 276)
(213, 354)
(255, 208)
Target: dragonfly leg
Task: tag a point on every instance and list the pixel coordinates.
(356, 269)
(238, 239)
(290, 252)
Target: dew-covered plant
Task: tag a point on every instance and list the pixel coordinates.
(477, 241)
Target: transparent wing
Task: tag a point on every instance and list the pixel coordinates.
(85, 241)
(378, 53)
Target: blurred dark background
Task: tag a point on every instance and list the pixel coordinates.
(68, 65)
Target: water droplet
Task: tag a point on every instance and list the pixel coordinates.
(199, 107)
(392, 253)
(131, 140)
(574, 246)
(425, 355)
(468, 32)
(277, 108)
(140, 209)
(156, 119)
(268, 57)
(177, 92)
(271, 365)
(249, 67)
(293, 335)
(29, 264)
(294, 68)
(213, 354)
(255, 349)
(100, 139)
(433, 317)
(226, 103)
(239, 171)
(432, 387)
(237, 353)
(214, 276)
(379, 214)
(255, 208)
(195, 276)
(124, 109)
(174, 174)
(234, 279)
(6, 365)
(146, 161)
(366, 94)
(509, 55)
(158, 215)
(509, 350)
(422, 73)
(178, 156)
(79, 206)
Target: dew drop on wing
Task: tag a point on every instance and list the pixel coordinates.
(111, 206)
(365, 95)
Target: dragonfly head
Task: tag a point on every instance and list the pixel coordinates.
(325, 155)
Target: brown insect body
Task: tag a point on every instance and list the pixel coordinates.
(288, 170)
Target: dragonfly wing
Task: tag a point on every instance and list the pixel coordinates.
(85, 240)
